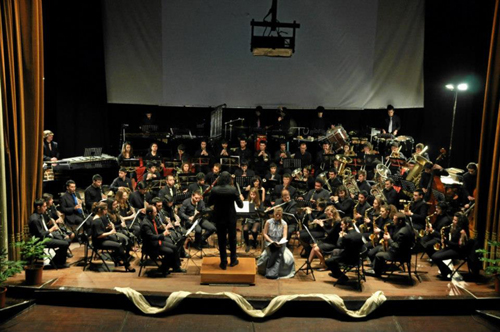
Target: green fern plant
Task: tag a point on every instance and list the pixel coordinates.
(493, 267)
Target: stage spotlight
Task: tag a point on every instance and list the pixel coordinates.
(462, 86)
(450, 87)
(271, 39)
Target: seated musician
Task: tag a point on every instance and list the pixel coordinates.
(390, 194)
(343, 202)
(93, 193)
(190, 207)
(223, 151)
(362, 183)
(122, 181)
(127, 212)
(181, 154)
(334, 180)
(122, 231)
(170, 188)
(418, 150)
(272, 174)
(151, 177)
(169, 212)
(370, 218)
(432, 234)
(394, 247)
(392, 122)
(307, 177)
(397, 158)
(261, 159)
(361, 207)
(330, 225)
(350, 245)
(287, 180)
(256, 183)
(454, 242)
(303, 155)
(277, 260)
(281, 154)
(318, 192)
(199, 185)
(154, 242)
(214, 174)
(311, 218)
(126, 153)
(39, 229)
(243, 151)
(71, 205)
(382, 224)
(290, 208)
(252, 225)
(54, 217)
(204, 156)
(50, 148)
(243, 170)
(153, 154)
(104, 236)
(140, 199)
(348, 151)
(418, 210)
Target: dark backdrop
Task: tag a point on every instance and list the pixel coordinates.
(457, 40)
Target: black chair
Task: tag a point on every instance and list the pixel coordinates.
(145, 257)
(399, 263)
(355, 266)
(95, 252)
(467, 256)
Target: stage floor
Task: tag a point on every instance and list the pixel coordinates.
(396, 287)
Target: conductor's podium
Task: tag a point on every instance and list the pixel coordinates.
(243, 273)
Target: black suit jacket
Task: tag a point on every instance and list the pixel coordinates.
(419, 210)
(47, 153)
(68, 208)
(35, 224)
(352, 243)
(402, 241)
(223, 199)
(150, 238)
(396, 123)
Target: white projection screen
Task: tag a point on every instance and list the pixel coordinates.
(350, 54)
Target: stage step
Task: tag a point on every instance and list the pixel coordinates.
(243, 273)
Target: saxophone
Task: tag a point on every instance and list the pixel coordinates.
(364, 228)
(383, 242)
(441, 245)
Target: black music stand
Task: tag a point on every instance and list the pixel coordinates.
(230, 163)
(291, 163)
(243, 181)
(130, 163)
(92, 152)
(200, 253)
(306, 267)
(185, 179)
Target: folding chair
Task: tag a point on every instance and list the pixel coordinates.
(355, 266)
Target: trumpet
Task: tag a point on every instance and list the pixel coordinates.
(439, 246)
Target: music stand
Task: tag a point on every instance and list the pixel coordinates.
(92, 152)
(291, 163)
(230, 162)
(130, 163)
(243, 181)
(307, 263)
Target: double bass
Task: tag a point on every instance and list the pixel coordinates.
(435, 184)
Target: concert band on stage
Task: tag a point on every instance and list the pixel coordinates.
(349, 199)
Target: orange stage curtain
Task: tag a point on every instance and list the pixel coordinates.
(487, 211)
(22, 89)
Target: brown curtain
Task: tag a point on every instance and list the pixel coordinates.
(21, 51)
(487, 211)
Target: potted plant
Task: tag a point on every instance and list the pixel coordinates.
(32, 252)
(493, 267)
(7, 270)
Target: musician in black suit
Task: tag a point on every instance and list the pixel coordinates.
(287, 180)
(121, 181)
(199, 185)
(304, 156)
(93, 193)
(243, 170)
(169, 189)
(397, 247)
(223, 197)
(39, 229)
(289, 208)
(350, 244)
(390, 194)
(418, 210)
(214, 174)
(392, 122)
(343, 202)
(243, 151)
(189, 208)
(71, 205)
(50, 148)
(318, 192)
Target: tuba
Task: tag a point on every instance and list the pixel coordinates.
(349, 181)
(323, 176)
(344, 160)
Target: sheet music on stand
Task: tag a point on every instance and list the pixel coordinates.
(243, 181)
(201, 161)
(292, 163)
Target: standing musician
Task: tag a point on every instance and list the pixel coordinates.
(361, 207)
(204, 153)
(50, 148)
(331, 226)
(390, 194)
(425, 177)
(432, 234)
(469, 180)
(321, 164)
(418, 210)
(243, 151)
(397, 246)
(71, 205)
(392, 122)
(243, 170)
(190, 207)
(304, 156)
(454, 242)
(318, 192)
(223, 198)
(290, 207)
(343, 202)
(104, 236)
(252, 225)
(281, 154)
(39, 229)
(93, 193)
(223, 151)
(122, 181)
(350, 245)
(318, 124)
(154, 242)
(199, 185)
(54, 217)
(262, 159)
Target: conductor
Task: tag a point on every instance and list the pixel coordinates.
(223, 197)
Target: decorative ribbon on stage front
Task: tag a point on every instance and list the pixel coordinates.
(335, 301)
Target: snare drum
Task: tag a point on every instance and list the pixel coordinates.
(338, 138)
